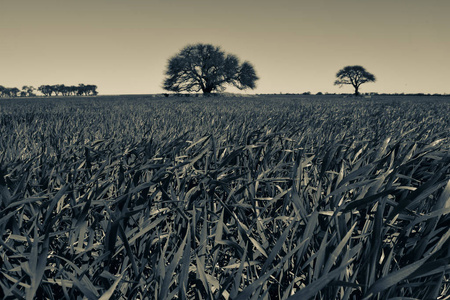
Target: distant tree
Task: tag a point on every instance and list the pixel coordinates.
(206, 68)
(90, 89)
(14, 92)
(10, 92)
(354, 75)
(74, 90)
(24, 93)
(57, 88)
(2, 88)
(80, 89)
(64, 90)
(27, 90)
(71, 90)
(6, 92)
(47, 90)
(86, 89)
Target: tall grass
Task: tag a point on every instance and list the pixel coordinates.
(256, 198)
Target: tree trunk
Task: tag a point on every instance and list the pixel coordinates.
(207, 90)
(356, 91)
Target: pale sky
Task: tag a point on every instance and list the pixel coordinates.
(123, 46)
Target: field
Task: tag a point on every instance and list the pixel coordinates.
(269, 197)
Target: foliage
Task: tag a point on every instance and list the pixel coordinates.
(206, 68)
(79, 90)
(27, 91)
(265, 197)
(8, 92)
(49, 90)
(354, 75)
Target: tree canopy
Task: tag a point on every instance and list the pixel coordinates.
(206, 68)
(49, 90)
(354, 75)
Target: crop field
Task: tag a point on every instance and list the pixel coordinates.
(268, 197)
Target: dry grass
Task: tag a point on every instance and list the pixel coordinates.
(255, 198)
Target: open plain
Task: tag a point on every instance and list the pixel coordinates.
(262, 197)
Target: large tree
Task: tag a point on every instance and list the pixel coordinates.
(354, 75)
(206, 68)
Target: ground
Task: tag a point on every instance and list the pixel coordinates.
(225, 197)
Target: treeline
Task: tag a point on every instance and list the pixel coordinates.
(50, 90)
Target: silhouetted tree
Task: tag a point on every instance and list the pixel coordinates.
(72, 90)
(27, 90)
(6, 92)
(57, 88)
(80, 89)
(86, 89)
(47, 90)
(206, 68)
(12, 92)
(90, 89)
(63, 89)
(354, 75)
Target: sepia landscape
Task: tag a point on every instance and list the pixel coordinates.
(220, 176)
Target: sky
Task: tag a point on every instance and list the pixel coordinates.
(123, 46)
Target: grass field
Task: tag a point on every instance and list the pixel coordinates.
(269, 197)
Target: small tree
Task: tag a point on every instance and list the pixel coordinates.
(206, 68)
(47, 90)
(354, 75)
(14, 92)
(72, 90)
(27, 91)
